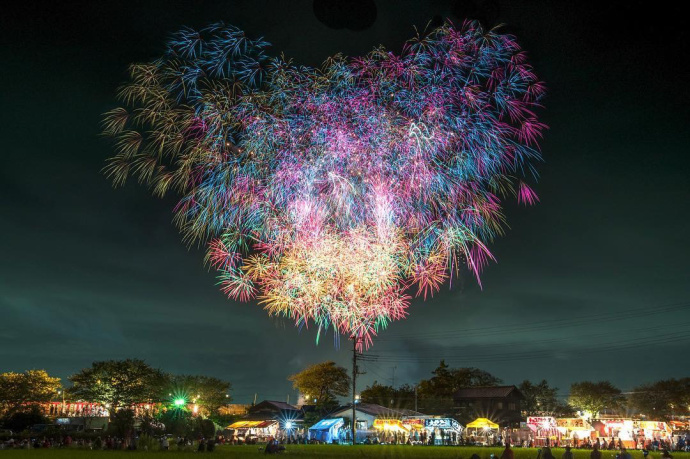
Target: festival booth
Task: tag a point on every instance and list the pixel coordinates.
(616, 429)
(446, 431)
(574, 431)
(249, 431)
(482, 430)
(650, 430)
(391, 430)
(679, 426)
(327, 430)
(544, 430)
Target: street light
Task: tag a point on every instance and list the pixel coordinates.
(62, 392)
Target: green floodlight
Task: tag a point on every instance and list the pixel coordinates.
(179, 402)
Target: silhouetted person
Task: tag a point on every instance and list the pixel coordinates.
(595, 454)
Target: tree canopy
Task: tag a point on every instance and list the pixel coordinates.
(542, 400)
(436, 394)
(392, 397)
(595, 397)
(18, 389)
(662, 399)
(119, 383)
(207, 392)
(323, 381)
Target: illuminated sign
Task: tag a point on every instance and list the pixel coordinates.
(441, 423)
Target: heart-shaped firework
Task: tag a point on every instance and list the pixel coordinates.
(330, 193)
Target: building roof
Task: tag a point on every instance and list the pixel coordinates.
(274, 404)
(378, 410)
(487, 392)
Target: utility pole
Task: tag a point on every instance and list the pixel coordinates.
(415, 397)
(393, 380)
(355, 372)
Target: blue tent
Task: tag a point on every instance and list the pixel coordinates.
(326, 430)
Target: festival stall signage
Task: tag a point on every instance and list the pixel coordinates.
(542, 422)
(413, 423)
(441, 423)
(653, 425)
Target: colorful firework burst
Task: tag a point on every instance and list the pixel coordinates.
(329, 194)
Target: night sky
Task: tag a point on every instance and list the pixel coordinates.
(592, 283)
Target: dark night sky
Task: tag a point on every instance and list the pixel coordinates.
(592, 283)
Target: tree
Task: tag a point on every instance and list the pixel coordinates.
(323, 381)
(32, 386)
(663, 399)
(207, 392)
(379, 394)
(595, 397)
(122, 422)
(178, 422)
(436, 393)
(19, 421)
(542, 400)
(119, 383)
(400, 397)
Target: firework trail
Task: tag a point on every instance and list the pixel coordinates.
(331, 195)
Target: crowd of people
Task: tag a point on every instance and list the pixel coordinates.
(110, 443)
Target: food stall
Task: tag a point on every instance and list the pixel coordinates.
(544, 430)
(650, 430)
(482, 431)
(447, 431)
(574, 430)
(679, 427)
(391, 430)
(251, 431)
(616, 429)
(327, 430)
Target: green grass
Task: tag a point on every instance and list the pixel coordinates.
(327, 451)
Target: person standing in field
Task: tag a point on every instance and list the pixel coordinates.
(595, 454)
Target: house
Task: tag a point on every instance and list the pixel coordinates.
(500, 404)
(273, 410)
(234, 409)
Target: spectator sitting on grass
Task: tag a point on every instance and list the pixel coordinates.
(507, 452)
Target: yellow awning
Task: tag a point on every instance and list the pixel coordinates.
(244, 424)
(481, 423)
(390, 425)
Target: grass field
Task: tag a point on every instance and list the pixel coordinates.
(326, 451)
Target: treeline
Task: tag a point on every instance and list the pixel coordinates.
(121, 386)
(660, 400)
(325, 382)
